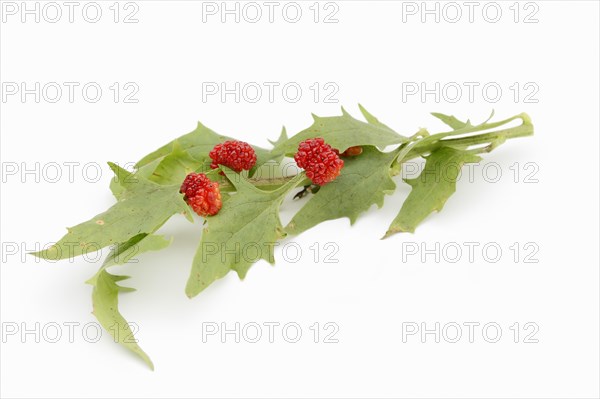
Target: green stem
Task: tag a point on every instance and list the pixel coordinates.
(495, 138)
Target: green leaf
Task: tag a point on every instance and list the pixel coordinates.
(283, 137)
(451, 121)
(364, 180)
(198, 145)
(143, 207)
(170, 169)
(144, 172)
(105, 301)
(342, 132)
(173, 168)
(431, 190)
(243, 232)
(105, 294)
(372, 119)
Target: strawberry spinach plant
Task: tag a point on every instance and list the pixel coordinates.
(342, 166)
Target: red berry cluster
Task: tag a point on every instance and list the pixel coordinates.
(321, 162)
(236, 155)
(202, 194)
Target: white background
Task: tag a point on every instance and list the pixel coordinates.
(372, 290)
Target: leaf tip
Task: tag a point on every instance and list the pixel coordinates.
(193, 288)
(395, 230)
(242, 273)
(283, 137)
(50, 253)
(365, 113)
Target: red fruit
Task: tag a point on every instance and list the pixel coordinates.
(236, 155)
(321, 162)
(202, 194)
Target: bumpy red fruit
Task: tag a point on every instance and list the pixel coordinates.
(321, 162)
(236, 155)
(202, 194)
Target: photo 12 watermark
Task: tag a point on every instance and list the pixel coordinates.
(65, 332)
(473, 172)
(253, 12)
(55, 12)
(270, 92)
(92, 252)
(252, 332)
(53, 172)
(251, 252)
(470, 92)
(453, 12)
(469, 252)
(453, 332)
(89, 92)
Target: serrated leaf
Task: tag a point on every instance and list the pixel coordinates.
(431, 189)
(169, 169)
(342, 132)
(105, 294)
(364, 180)
(173, 168)
(198, 143)
(243, 232)
(283, 137)
(143, 207)
(452, 121)
(143, 172)
(372, 119)
(105, 301)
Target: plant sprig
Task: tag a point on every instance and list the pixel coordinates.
(149, 196)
